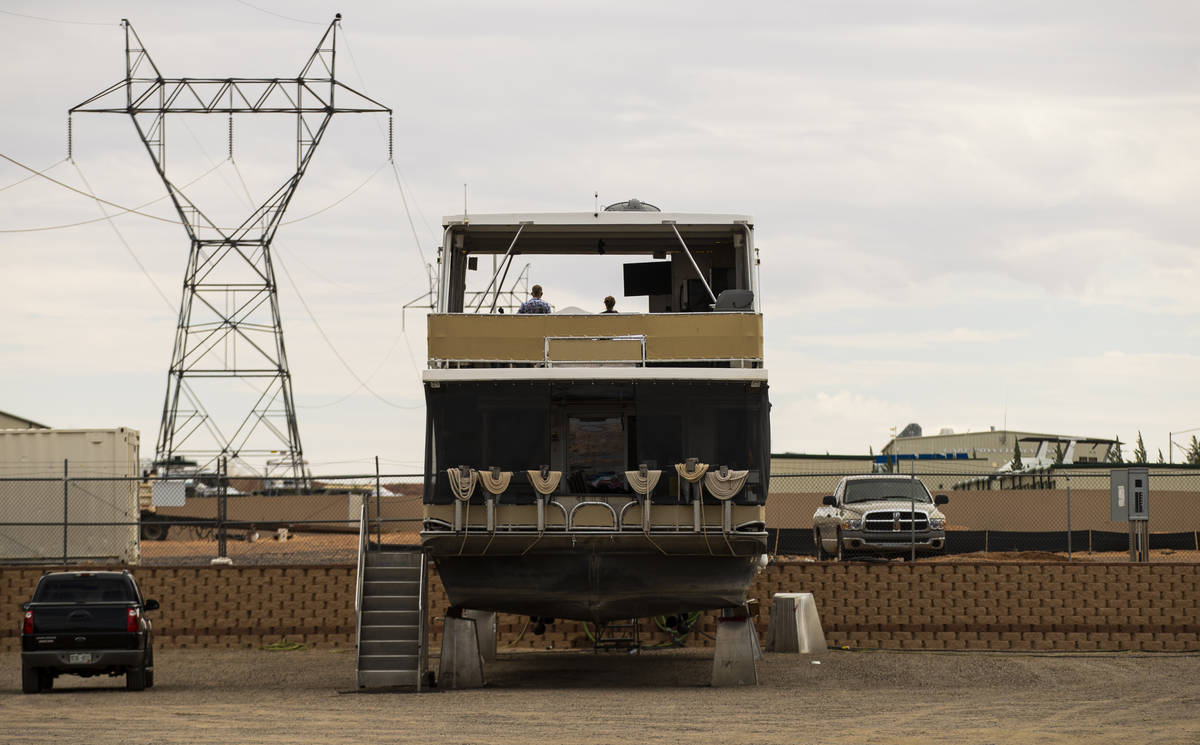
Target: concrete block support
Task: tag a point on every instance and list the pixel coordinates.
(461, 666)
(795, 625)
(485, 629)
(736, 652)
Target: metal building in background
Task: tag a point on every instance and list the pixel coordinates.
(229, 323)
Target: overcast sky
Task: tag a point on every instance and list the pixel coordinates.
(970, 214)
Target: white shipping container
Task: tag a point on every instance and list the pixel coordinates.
(32, 490)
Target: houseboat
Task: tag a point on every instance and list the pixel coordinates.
(597, 466)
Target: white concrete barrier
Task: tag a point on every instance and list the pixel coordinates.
(795, 625)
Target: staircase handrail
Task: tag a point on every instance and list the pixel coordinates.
(422, 627)
(362, 571)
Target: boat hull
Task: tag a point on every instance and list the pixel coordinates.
(597, 579)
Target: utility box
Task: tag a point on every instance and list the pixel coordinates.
(1129, 494)
(90, 512)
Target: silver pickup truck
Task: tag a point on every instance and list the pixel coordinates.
(879, 515)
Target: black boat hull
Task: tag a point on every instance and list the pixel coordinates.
(597, 580)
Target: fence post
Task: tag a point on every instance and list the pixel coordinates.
(1068, 518)
(378, 506)
(66, 489)
(912, 516)
(222, 537)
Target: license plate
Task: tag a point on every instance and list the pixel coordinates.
(80, 659)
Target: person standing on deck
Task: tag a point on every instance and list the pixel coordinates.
(535, 304)
(610, 304)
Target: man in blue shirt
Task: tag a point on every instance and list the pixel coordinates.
(535, 304)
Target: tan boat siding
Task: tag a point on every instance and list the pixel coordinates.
(675, 336)
(592, 350)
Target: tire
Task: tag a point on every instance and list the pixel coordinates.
(150, 667)
(135, 678)
(45, 680)
(819, 548)
(153, 531)
(841, 552)
(31, 680)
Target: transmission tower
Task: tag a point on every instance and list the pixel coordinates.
(229, 325)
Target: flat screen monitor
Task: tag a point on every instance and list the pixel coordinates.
(648, 278)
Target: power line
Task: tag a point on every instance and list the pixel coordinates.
(68, 187)
(363, 82)
(280, 15)
(408, 214)
(374, 372)
(362, 383)
(33, 175)
(353, 191)
(57, 20)
(94, 197)
(125, 243)
(137, 210)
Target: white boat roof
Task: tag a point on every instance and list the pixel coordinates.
(591, 219)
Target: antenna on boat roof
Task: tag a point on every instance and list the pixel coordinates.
(464, 202)
(596, 204)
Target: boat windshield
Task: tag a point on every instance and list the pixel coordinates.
(875, 490)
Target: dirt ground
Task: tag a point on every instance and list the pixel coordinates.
(230, 696)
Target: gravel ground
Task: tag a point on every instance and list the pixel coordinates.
(231, 696)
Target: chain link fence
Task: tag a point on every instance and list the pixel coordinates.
(1061, 510)
(192, 520)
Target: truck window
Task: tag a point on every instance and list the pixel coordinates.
(83, 590)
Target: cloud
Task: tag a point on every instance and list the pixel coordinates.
(962, 208)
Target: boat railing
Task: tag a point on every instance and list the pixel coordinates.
(458, 340)
(592, 503)
(569, 513)
(587, 349)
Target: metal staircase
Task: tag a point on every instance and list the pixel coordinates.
(390, 604)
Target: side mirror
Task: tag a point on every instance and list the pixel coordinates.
(830, 500)
(941, 499)
(151, 605)
(25, 605)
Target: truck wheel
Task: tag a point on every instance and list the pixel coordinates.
(150, 667)
(818, 548)
(841, 552)
(152, 531)
(31, 680)
(135, 678)
(45, 680)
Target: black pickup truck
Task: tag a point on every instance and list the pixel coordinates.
(87, 623)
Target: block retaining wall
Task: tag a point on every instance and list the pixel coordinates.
(1004, 606)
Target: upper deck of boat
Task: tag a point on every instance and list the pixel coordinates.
(698, 272)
